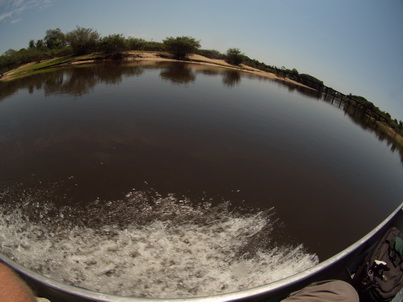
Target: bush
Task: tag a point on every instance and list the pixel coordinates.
(211, 53)
(61, 52)
(112, 44)
(310, 81)
(154, 46)
(13, 59)
(234, 56)
(181, 47)
(136, 44)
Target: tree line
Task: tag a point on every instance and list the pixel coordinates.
(368, 108)
(82, 41)
(77, 42)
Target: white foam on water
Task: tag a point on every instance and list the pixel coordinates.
(178, 250)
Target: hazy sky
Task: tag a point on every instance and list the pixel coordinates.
(354, 46)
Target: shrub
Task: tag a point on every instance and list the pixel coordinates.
(181, 47)
(135, 43)
(154, 46)
(211, 53)
(112, 44)
(234, 56)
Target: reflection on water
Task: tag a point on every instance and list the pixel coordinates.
(197, 130)
(178, 74)
(368, 123)
(81, 79)
(73, 81)
(231, 78)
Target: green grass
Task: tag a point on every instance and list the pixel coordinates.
(49, 63)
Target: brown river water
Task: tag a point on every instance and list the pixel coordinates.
(182, 178)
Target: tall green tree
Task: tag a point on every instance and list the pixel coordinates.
(82, 40)
(31, 44)
(55, 38)
(181, 47)
(39, 44)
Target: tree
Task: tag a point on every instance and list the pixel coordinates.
(181, 47)
(112, 44)
(82, 40)
(55, 38)
(39, 44)
(10, 52)
(310, 81)
(31, 44)
(234, 56)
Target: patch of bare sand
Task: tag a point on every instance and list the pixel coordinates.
(243, 67)
(208, 60)
(148, 55)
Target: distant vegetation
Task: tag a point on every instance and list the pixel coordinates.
(368, 108)
(82, 41)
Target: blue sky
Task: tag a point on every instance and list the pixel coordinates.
(354, 46)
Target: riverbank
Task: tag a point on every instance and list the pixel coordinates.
(136, 56)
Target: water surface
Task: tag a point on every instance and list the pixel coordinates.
(87, 146)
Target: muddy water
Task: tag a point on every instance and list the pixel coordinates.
(177, 174)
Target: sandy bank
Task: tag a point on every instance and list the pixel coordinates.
(198, 59)
(143, 56)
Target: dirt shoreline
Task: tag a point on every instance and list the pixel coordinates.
(132, 56)
(199, 59)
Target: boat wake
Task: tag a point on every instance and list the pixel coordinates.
(147, 245)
